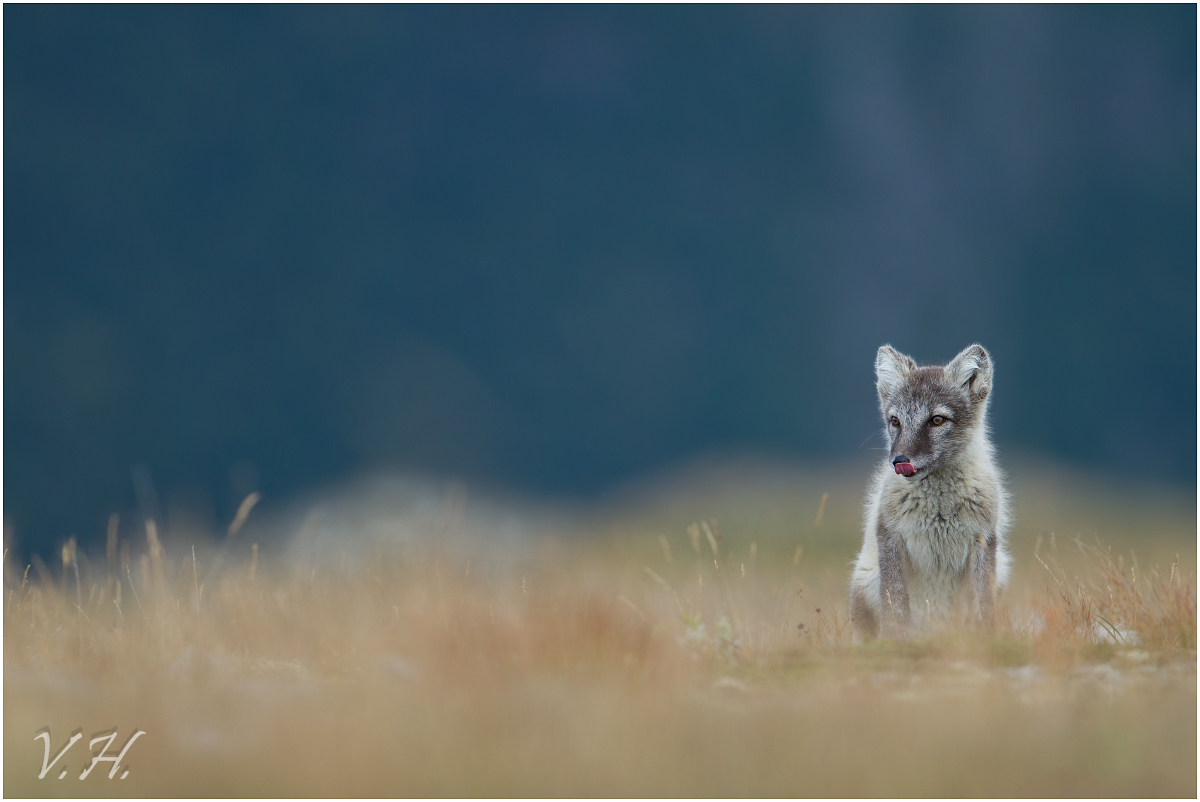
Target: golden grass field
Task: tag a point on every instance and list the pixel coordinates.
(688, 638)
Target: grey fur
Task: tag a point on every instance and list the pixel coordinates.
(938, 535)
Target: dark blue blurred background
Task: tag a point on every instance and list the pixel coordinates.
(553, 248)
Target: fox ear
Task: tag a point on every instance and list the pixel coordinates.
(971, 369)
(891, 368)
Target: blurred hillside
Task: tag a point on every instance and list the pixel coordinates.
(763, 511)
(551, 250)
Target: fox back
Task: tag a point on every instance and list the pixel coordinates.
(937, 511)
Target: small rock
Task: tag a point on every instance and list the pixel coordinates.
(730, 684)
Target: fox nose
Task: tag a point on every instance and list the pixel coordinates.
(899, 459)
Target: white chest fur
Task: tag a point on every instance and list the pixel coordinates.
(939, 517)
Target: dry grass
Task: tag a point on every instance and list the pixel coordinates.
(643, 661)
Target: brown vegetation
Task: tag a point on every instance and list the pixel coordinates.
(635, 663)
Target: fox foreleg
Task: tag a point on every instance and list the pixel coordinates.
(983, 577)
(893, 591)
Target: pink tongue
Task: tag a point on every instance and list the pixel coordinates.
(905, 468)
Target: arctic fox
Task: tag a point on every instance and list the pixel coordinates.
(937, 511)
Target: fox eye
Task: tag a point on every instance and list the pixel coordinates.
(895, 421)
(937, 420)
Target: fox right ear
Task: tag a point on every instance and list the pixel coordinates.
(891, 368)
(971, 369)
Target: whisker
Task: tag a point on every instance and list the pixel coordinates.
(872, 434)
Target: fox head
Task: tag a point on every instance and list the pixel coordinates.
(931, 413)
